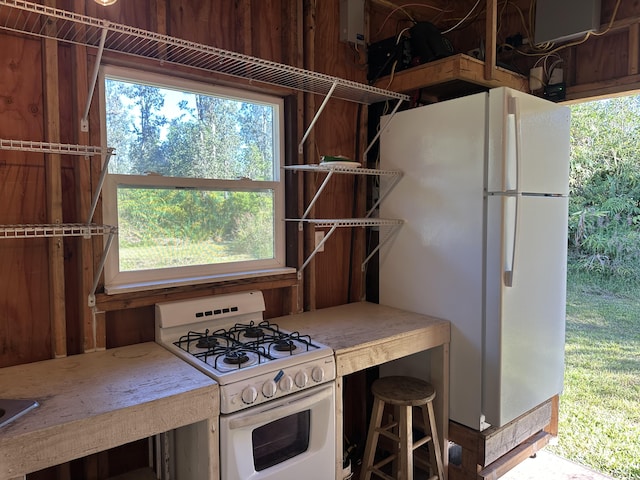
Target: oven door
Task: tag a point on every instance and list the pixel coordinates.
(286, 439)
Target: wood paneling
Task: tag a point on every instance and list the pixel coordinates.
(211, 22)
(25, 328)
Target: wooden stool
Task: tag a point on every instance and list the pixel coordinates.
(403, 393)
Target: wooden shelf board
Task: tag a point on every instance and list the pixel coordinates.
(447, 76)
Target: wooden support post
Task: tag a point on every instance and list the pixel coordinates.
(83, 174)
(309, 152)
(490, 40)
(54, 197)
(634, 44)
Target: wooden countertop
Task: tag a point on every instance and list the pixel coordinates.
(96, 401)
(365, 334)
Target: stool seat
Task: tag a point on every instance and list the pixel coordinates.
(403, 393)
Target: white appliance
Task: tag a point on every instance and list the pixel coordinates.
(484, 199)
(277, 389)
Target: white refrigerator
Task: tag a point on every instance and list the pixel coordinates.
(484, 243)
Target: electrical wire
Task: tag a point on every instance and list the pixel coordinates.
(402, 8)
(462, 21)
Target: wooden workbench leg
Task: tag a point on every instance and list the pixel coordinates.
(440, 381)
(339, 426)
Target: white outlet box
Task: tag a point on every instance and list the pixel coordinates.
(352, 21)
(556, 76)
(319, 238)
(535, 79)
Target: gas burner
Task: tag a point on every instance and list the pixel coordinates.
(284, 345)
(253, 332)
(207, 342)
(236, 358)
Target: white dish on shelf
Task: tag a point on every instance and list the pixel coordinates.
(343, 164)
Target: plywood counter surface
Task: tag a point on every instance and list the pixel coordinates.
(365, 334)
(96, 401)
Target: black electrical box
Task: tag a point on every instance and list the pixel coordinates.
(422, 43)
(385, 56)
(556, 92)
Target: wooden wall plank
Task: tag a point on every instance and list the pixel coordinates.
(634, 47)
(211, 22)
(54, 195)
(25, 327)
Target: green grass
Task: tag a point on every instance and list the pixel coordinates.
(174, 254)
(600, 406)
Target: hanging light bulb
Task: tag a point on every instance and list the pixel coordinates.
(105, 3)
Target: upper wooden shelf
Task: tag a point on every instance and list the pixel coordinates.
(452, 76)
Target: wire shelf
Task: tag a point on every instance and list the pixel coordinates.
(340, 169)
(349, 222)
(48, 22)
(56, 230)
(45, 147)
(392, 226)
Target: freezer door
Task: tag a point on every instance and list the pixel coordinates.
(528, 144)
(523, 361)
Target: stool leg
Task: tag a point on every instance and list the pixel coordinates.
(434, 452)
(406, 444)
(372, 439)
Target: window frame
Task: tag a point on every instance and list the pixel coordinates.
(116, 281)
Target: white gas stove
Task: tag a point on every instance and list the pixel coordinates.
(253, 360)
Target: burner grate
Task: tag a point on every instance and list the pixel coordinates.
(243, 345)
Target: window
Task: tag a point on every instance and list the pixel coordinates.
(194, 185)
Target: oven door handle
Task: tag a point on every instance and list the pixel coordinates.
(268, 415)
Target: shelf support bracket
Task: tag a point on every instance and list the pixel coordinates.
(317, 249)
(317, 195)
(392, 231)
(394, 181)
(96, 277)
(375, 139)
(84, 122)
(103, 175)
(317, 115)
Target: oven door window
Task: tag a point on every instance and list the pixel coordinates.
(280, 440)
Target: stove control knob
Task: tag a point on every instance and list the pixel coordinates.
(269, 388)
(249, 395)
(301, 379)
(286, 383)
(317, 374)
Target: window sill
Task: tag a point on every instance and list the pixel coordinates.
(149, 293)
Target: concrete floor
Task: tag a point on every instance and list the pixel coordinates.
(547, 466)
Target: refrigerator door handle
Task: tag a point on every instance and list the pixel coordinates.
(510, 227)
(512, 147)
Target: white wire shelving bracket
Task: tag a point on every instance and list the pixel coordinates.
(85, 230)
(393, 225)
(331, 170)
